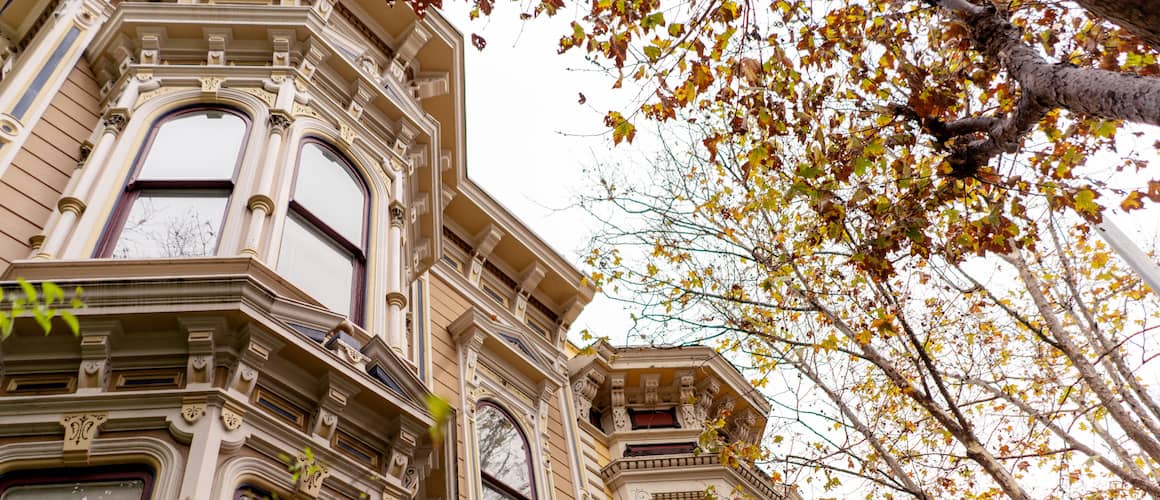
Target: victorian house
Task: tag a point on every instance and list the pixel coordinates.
(266, 204)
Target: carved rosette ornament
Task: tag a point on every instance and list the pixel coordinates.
(231, 420)
(192, 412)
(79, 431)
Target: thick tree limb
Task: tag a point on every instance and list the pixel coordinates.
(1139, 17)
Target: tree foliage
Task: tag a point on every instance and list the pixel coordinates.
(890, 202)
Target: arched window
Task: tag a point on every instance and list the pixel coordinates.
(323, 248)
(176, 197)
(505, 464)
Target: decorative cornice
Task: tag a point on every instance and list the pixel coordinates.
(754, 480)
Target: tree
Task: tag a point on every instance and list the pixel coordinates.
(1014, 375)
(854, 169)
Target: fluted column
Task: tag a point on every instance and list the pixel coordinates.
(260, 203)
(396, 298)
(72, 204)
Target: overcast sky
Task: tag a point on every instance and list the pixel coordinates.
(529, 139)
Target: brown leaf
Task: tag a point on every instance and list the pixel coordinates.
(478, 41)
(582, 98)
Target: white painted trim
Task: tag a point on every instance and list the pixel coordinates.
(164, 457)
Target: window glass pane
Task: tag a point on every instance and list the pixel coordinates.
(502, 452)
(328, 191)
(199, 145)
(316, 265)
(490, 493)
(172, 224)
(130, 489)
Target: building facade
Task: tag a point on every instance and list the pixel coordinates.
(282, 257)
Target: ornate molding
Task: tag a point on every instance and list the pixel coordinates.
(231, 419)
(311, 474)
(279, 122)
(398, 214)
(620, 421)
(192, 412)
(114, 121)
(211, 84)
(266, 96)
(79, 431)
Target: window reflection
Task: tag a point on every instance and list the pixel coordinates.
(97, 490)
(504, 461)
(164, 224)
(329, 191)
(322, 245)
(317, 265)
(174, 203)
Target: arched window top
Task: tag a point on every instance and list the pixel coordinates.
(175, 200)
(195, 144)
(505, 462)
(330, 190)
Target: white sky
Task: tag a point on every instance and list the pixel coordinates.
(529, 138)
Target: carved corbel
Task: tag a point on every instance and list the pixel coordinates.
(281, 40)
(311, 474)
(705, 398)
(360, 95)
(650, 384)
(405, 138)
(95, 347)
(620, 422)
(256, 351)
(410, 43)
(313, 56)
(151, 39)
(79, 431)
(336, 391)
(741, 426)
(217, 39)
(200, 334)
(687, 395)
(323, 8)
(485, 242)
(584, 390)
(404, 440)
(432, 85)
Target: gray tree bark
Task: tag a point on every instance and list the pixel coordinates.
(1139, 17)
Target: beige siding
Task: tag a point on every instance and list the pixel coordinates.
(446, 306)
(558, 447)
(32, 184)
(596, 456)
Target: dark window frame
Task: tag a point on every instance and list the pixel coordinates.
(489, 480)
(313, 222)
(670, 412)
(133, 187)
(96, 474)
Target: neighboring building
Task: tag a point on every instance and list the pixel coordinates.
(267, 205)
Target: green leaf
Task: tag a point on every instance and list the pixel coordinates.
(5, 326)
(441, 411)
(652, 52)
(29, 290)
(653, 20)
(70, 319)
(52, 292)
